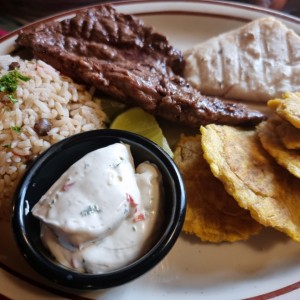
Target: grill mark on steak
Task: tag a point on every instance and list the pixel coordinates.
(127, 60)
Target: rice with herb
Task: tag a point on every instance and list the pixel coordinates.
(42, 97)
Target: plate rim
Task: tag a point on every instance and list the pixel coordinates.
(237, 5)
(246, 7)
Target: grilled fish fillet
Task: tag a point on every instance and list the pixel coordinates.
(256, 62)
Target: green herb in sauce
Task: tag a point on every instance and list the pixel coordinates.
(90, 210)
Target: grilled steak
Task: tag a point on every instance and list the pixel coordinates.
(127, 60)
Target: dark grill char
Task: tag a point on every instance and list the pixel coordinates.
(123, 58)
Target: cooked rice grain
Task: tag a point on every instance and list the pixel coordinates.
(47, 94)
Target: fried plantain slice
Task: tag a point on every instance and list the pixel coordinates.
(212, 214)
(287, 107)
(288, 135)
(289, 159)
(253, 178)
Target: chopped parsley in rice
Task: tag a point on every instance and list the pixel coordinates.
(38, 107)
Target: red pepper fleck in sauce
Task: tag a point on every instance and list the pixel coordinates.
(131, 200)
(67, 186)
(139, 217)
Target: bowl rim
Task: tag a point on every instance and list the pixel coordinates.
(77, 280)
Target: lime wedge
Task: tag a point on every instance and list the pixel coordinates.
(138, 121)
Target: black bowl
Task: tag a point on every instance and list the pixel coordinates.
(48, 168)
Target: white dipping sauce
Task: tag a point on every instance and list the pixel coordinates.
(101, 214)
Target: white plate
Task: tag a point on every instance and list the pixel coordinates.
(265, 267)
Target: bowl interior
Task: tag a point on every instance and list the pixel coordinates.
(48, 168)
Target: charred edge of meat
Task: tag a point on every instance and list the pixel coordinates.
(208, 110)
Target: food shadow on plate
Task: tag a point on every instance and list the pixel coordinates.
(266, 239)
(193, 263)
